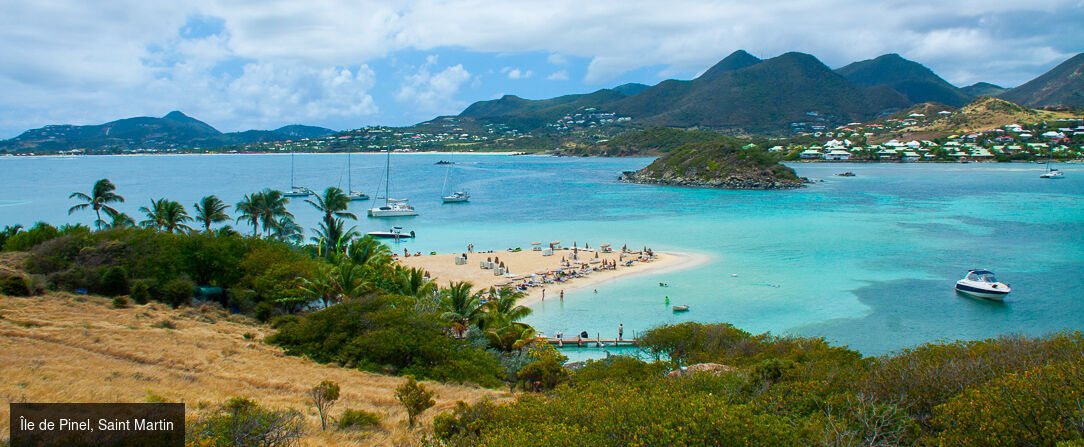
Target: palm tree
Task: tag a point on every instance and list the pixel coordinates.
(286, 230)
(411, 282)
(320, 287)
(248, 209)
(211, 210)
(333, 203)
(101, 195)
(333, 239)
(122, 220)
(461, 307)
(271, 210)
(502, 310)
(511, 337)
(369, 252)
(166, 215)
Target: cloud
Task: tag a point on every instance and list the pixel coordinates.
(515, 73)
(561, 75)
(434, 92)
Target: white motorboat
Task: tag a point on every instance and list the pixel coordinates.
(393, 233)
(681, 308)
(392, 207)
(983, 284)
(456, 197)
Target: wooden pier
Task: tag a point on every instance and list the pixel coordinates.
(589, 342)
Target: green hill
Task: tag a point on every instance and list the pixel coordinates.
(1061, 86)
(761, 98)
(736, 61)
(721, 164)
(918, 83)
(983, 89)
(175, 130)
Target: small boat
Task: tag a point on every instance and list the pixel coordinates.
(983, 284)
(393, 233)
(681, 308)
(393, 208)
(298, 191)
(1052, 173)
(444, 162)
(353, 195)
(845, 174)
(456, 197)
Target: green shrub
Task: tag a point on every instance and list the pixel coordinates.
(140, 292)
(323, 396)
(120, 302)
(14, 285)
(415, 398)
(264, 312)
(542, 374)
(243, 422)
(114, 282)
(176, 292)
(358, 420)
(621, 367)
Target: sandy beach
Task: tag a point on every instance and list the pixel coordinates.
(530, 265)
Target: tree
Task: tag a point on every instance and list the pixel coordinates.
(324, 396)
(369, 252)
(511, 337)
(415, 398)
(286, 230)
(248, 209)
(502, 310)
(211, 210)
(122, 220)
(333, 203)
(411, 282)
(101, 195)
(166, 215)
(461, 307)
(333, 239)
(271, 209)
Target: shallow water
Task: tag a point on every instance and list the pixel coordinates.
(866, 261)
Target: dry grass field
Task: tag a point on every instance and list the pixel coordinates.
(73, 348)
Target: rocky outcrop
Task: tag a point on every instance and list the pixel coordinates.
(717, 165)
(730, 182)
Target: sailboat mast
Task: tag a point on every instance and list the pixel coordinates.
(349, 188)
(387, 177)
(291, 168)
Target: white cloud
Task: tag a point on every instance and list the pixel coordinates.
(561, 75)
(434, 92)
(515, 73)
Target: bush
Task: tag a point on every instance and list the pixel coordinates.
(358, 420)
(114, 282)
(543, 374)
(243, 422)
(323, 397)
(415, 398)
(14, 285)
(120, 302)
(140, 292)
(264, 312)
(176, 292)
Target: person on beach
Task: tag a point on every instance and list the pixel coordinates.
(620, 331)
(562, 295)
(543, 294)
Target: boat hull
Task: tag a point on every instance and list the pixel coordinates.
(454, 199)
(982, 292)
(391, 213)
(390, 235)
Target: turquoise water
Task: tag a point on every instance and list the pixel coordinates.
(866, 261)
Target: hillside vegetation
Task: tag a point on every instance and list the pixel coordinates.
(718, 165)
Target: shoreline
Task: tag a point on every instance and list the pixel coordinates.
(531, 265)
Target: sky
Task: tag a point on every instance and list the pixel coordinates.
(345, 64)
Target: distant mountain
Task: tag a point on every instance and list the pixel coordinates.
(631, 88)
(1061, 86)
(736, 61)
(918, 83)
(983, 89)
(761, 98)
(175, 130)
(533, 114)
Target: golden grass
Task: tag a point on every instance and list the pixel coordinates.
(72, 348)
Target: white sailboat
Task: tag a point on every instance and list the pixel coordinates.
(392, 207)
(353, 195)
(295, 191)
(456, 196)
(1051, 173)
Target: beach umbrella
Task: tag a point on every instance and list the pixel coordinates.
(604, 245)
(596, 255)
(536, 243)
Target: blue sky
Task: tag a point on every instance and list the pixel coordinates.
(347, 63)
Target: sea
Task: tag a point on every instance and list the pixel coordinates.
(868, 262)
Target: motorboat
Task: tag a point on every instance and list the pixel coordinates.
(983, 284)
(1052, 173)
(355, 195)
(681, 308)
(393, 208)
(393, 233)
(456, 197)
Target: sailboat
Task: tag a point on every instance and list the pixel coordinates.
(392, 207)
(295, 191)
(454, 197)
(1051, 173)
(353, 195)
